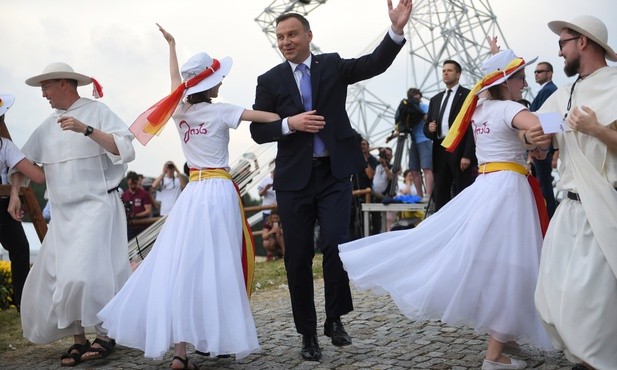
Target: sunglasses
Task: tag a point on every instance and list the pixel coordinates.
(563, 42)
(540, 71)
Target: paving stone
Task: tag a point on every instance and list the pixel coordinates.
(383, 339)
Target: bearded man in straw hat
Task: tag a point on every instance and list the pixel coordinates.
(83, 147)
(576, 293)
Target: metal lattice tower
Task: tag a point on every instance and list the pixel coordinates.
(438, 30)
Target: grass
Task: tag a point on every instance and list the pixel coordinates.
(271, 275)
(268, 275)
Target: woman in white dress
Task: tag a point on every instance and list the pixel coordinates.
(195, 284)
(475, 262)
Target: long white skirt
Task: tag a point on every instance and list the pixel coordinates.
(190, 288)
(475, 262)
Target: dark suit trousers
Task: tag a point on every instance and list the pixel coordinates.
(449, 179)
(13, 239)
(327, 200)
(543, 171)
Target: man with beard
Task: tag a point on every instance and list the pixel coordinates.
(576, 293)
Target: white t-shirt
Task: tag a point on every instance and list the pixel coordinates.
(496, 139)
(204, 132)
(270, 197)
(10, 155)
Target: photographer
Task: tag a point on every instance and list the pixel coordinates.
(168, 186)
(137, 203)
(420, 152)
(272, 236)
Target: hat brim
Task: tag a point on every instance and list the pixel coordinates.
(81, 79)
(6, 103)
(558, 26)
(508, 76)
(213, 80)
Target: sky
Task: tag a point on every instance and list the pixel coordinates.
(118, 43)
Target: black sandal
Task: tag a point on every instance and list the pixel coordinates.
(75, 356)
(185, 362)
(106, 349)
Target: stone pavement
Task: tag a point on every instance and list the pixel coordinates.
(382, 339)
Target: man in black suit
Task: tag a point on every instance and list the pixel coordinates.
(318, 151)
(453, 172)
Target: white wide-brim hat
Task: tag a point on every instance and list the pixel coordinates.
(58, 71)
(589, 26)
(499, 62)
(197, 64)
(6, 101)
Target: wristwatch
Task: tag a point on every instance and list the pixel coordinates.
(89, 130)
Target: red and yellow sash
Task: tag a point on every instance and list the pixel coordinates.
(150, 122)
(248, 244)
(533, 183)
(463, 118)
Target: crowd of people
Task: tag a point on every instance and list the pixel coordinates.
(488, 257)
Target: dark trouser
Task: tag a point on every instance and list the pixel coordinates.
(449, 179)
(543, 171)
(327, 200)
(13, 239)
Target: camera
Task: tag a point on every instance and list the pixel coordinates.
(382, 153)
(171, 166)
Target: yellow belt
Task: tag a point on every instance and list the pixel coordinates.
(503, 166)
(210, 173)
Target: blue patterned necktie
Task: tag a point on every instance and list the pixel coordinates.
(307, 102)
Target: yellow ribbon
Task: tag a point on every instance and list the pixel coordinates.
(503, 166)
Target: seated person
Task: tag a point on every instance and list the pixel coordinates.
(272, 236)
(138, 204)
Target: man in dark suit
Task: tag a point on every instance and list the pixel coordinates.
(543, 167)
(318, 151)
(453, 172)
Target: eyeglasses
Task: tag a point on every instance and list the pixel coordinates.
(45, 87)
(563, 42)
(539, 71)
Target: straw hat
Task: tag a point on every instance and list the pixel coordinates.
(58, 71)
(499, 62)
(197, 64)
(589, 26)
(6, 101)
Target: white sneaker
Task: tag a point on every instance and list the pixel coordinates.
(514, 364)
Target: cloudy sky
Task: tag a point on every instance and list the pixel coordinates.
(117, 42)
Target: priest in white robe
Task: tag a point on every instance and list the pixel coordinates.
(83, 261)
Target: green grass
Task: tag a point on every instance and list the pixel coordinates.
(268, 275)
(271, 275)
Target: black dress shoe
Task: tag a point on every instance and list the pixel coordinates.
(334, 329)
(310, 348)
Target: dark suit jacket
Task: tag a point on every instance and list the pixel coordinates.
(278, 92)
(467, 146)
(543, 94)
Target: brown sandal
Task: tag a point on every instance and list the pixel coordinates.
(75, 356)
(185, 362)
(106, 349)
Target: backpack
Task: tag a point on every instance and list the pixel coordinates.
(408, 115)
